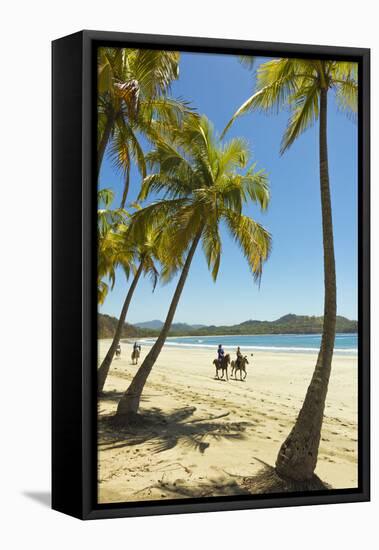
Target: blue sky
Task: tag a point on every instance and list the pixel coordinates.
(292, 280)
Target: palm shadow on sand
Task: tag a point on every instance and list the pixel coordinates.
(114, 395)
(222, 486)
(166, 430)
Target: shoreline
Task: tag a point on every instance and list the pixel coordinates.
(149, 340)
(250, 334)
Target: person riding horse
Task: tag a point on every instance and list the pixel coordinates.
(220, 354)
(136, 353)
(239, 356)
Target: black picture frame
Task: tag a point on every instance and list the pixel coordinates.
(74, 306)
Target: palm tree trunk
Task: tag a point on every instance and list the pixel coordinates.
(129, 403)
(102, 373)
(297, 457)
(104, 141)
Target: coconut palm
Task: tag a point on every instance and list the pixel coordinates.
(304, 86)
(111, 253)
(203, 185)
(143, 257)
(132, 100)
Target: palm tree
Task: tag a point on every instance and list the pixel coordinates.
(202, 186)
(110, 252)
(142, 260)
(132, 99)
(303, 86)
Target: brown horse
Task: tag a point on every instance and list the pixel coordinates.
(241, 366)
(223, 366)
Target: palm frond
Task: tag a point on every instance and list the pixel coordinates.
(105, 196)
(347, 96)
(212, 247)
(305, 111)
(277, 81)
(253, 239)
(247, 61)
(256, 185)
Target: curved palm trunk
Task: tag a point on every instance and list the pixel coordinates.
(297, 457)
(104, 141)
(129, 403)
(103, 370)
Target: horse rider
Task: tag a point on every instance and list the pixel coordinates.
(239, 356)
(220, 354)
(118, 350)
(136, 347)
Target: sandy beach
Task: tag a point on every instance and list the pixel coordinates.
(204, 436)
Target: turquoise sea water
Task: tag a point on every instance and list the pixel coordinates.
(344, 343)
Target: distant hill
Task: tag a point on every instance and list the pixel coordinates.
(288, 324)
(106, 326)
(153, 325)
(176, 327)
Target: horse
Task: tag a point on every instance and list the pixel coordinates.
(241, 366)
(135, 356)
(222, 365)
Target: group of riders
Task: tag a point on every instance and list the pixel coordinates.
(221, 354)
(222, 362)
(136, 349)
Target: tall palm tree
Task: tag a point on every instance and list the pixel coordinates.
(202, 187)
(303, 86)
(132, 99)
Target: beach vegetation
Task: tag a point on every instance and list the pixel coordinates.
(144, 256)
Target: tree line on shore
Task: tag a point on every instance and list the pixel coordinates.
(289, 324)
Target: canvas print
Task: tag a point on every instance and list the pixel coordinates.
(227, 263)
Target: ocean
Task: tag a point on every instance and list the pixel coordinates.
(301, 343)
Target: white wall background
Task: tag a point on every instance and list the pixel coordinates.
(27, 29)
